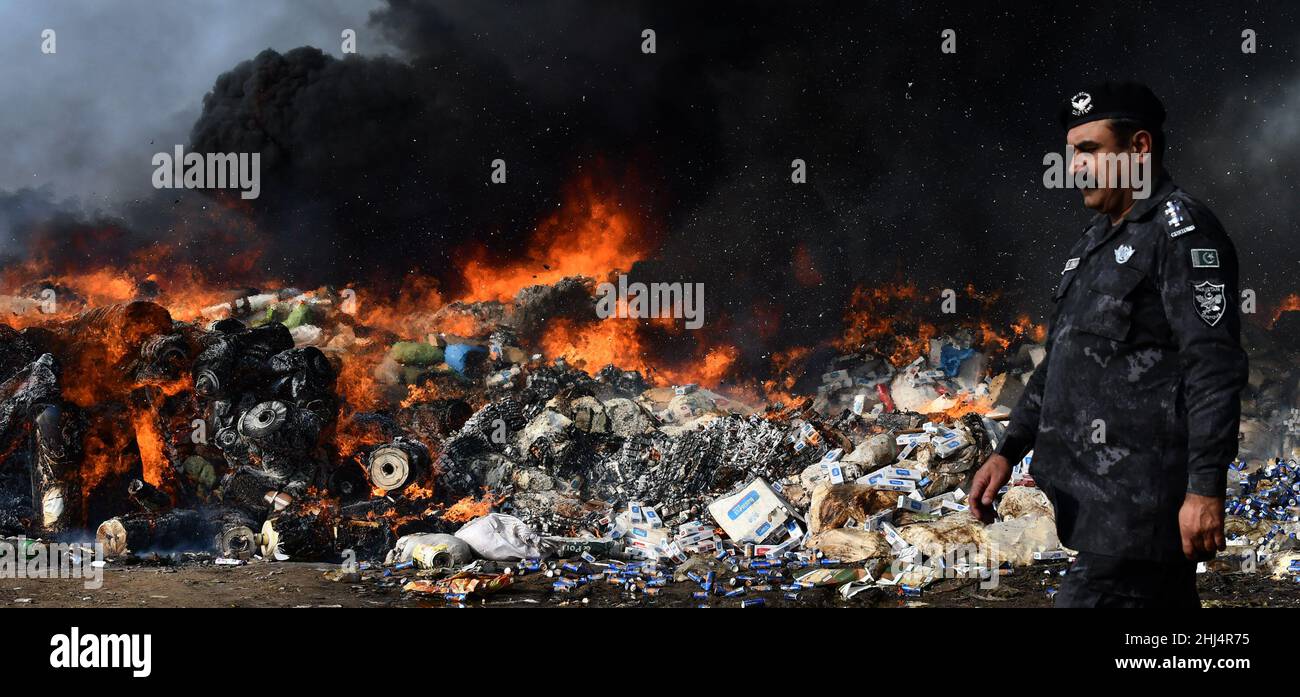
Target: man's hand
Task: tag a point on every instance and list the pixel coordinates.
(1201, 522)
(995, 472)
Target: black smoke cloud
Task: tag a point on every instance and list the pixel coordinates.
(374, 167)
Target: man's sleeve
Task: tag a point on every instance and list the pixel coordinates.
(1198, 286)
(1023, 428)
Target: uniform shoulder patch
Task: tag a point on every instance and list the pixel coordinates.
(1205, 258)
(1176, 218)
(1209, 301)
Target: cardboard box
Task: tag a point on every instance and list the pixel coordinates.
(752, 514)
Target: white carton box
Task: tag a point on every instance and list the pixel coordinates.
(751, 514)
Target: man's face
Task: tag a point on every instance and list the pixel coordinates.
(1092, 142)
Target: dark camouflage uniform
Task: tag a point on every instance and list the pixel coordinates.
(1144, 342)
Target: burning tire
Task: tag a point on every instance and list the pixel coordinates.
(393, 466)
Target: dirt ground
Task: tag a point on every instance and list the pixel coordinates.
(290, 584)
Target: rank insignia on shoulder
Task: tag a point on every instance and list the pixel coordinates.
(1071, 264)
(1177, 219)
(1205, 258)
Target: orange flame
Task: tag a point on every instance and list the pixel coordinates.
(469, 508)
(593, 345)
(887, 318)
(591, 235)
(1290, 303)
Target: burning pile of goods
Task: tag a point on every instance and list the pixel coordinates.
(287, 426)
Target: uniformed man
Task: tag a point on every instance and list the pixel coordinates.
(1133, 413)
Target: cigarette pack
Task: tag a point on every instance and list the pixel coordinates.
(899, 473)
(948, 444)
(880, 481)
(894, 539)
(1051, 555)
(913, 505)
(912, 439)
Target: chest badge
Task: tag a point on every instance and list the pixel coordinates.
(1123, 253)
(1209, 301)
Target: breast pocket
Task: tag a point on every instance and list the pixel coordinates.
(1109, 310)
(1063, 287)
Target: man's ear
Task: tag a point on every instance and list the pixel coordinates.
(1141, 141)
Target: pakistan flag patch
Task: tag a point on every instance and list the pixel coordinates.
(1205, 258)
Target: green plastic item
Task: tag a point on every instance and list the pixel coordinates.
(264, 318)
(200, 471)
(301, 314)
(415, 353)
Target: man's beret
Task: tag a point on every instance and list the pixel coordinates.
(1113, 100)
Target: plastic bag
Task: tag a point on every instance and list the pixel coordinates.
(851, 545)
(834, 505)
(1015, 540)
(502, 537)
(1023, 501)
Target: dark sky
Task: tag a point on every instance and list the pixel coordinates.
(922, 166)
